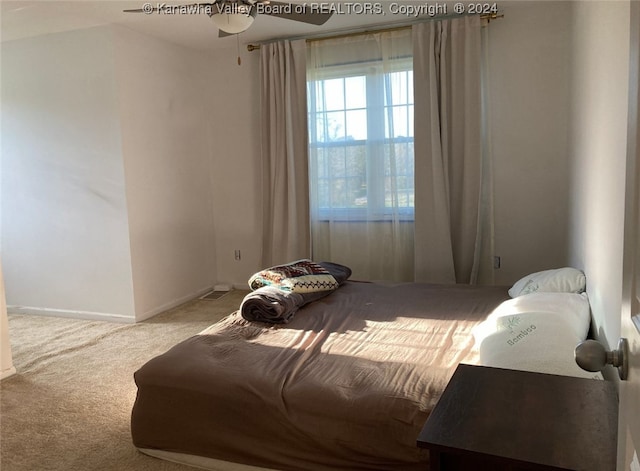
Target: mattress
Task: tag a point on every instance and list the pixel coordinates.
(346, 385)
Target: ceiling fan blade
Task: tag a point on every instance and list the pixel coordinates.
(312, 14)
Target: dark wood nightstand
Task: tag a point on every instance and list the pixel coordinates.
(497, 419)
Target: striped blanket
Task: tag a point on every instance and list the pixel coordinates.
(278, 292)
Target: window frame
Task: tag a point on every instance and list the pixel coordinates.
(378, 211)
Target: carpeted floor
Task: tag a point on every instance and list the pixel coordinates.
(69, 405)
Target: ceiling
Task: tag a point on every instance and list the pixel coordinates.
(25, 18)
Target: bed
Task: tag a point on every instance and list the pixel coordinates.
(345, 384)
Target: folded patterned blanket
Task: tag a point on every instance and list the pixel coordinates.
(280, 291)
(303, 276)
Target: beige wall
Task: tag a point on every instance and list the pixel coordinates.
(164, 106)
(529, 67)
(236, 166)
(107, 203)
(530, 56)
(193, 184)
(65, 233)
(600, 68)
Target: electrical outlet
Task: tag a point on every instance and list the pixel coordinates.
(496, 262)
(238, 255)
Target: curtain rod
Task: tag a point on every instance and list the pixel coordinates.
(360, 32)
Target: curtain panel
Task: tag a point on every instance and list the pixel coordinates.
(361, 153)
(453, 204)
(387, 173)
(284, 143)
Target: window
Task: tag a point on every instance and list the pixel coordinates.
(361, 141)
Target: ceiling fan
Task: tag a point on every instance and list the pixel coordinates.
(235, 16)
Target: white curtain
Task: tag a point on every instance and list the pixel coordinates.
(360, 96)
(483, 264)
(453, 226)
(355, 185)
(285, 188)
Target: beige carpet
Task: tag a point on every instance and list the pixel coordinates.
(69, 405)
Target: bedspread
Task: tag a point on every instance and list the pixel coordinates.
(346, 385)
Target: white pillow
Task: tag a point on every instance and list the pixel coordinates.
(560, 280)
(537, 332)
(571, 306)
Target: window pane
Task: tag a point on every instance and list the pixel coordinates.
(357, 125)
(338, 192)
(334, 127)
(362, 141)
(399, 175)
(314, 128)
(321, 128)
(391, 91)
(398, 82)
(319, 95)
(324, 194)
(335, 162)
(356, 169)
(397, 122)
(321, 162)
(355, 92)
(334, 94)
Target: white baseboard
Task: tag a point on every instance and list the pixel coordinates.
(6, 373)
(171, 304)
(99, 316)
(87, 315)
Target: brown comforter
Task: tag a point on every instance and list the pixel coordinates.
(346, 385)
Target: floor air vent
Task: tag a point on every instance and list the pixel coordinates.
(212, 295)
